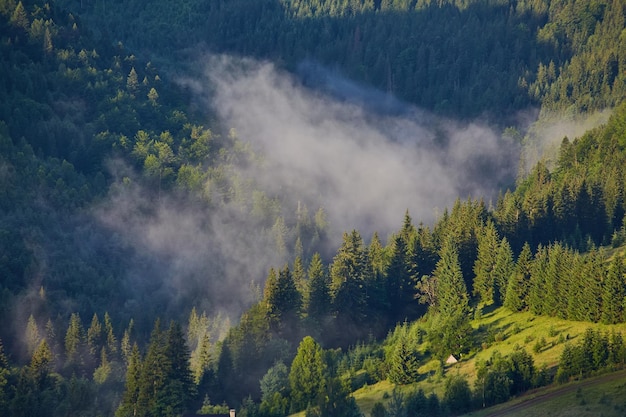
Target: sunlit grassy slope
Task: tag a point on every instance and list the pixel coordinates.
(507, 330)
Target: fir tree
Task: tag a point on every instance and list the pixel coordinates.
(318, 299)
(130, 398)
(400, 286)
(404, 361)
(484, 266)
(452, 298)
(613, 292)
(503, 269)
(307, 374)
(516, 298)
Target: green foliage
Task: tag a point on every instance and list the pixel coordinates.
(458, 395)
(404, 360)
(307, 375)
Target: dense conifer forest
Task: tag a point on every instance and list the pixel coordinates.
(155, 260)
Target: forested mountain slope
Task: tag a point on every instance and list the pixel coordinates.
(123, 205)
(463, 58)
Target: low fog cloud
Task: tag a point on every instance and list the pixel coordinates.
(364, 168)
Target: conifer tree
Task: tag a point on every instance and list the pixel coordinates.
(20, 17)
(153, 373)
(516, 298)
(41, 365)
(94, 336)
(404, 361)
(503, 270)
(452, 297)
(109, 334)
(74, 341)
(318, 299)
(400, 286)
(537, 290)
(283, 300)
(484, 266)
(350, 271)
(178, 388)
(613, 292)
(32, 336)
(307, 374)
(129, 404)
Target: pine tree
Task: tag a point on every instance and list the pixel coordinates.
(350, 271)
(178, 389)
(613, 292)
(404, 361)
(400, 286)
(307, 374)
(94, 336)
(31, 336)
(484, 266)
(502, 270)
(153, 373)
(132, 81)
(19, 17)
(516, 298)
(111, 340)
(452, 297)
(41, 365)
(318, 299)
(129, 406)
(74, 341)
(283, 301)
(537, 290)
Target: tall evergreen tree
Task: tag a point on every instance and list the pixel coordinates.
(516, 298)
(178, 387)
(400, 286)
(502, 270)
(283, 301)
(452, 297)
(350, 271)
(307, 374)
(484, 266)
(130, 398)
(613, 292)
(318, 300)
(404, 361)
(153, 373)
(75, 342)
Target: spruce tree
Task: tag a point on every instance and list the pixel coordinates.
(129, 406)
(452, 297)
(502, 270)
(307, 374)
(516, 298)
(484, 266)
(94, 336)
(404, 361)
(613, 292)
(153, 373)
(74, 342)
(350, 272)
(537, 290)
(283, 301)
(400, 286)
(318, 299)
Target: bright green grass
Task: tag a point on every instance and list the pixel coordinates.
(588, 398)
(510, 330)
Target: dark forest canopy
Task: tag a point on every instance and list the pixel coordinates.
(106, 311)
(463, 58)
